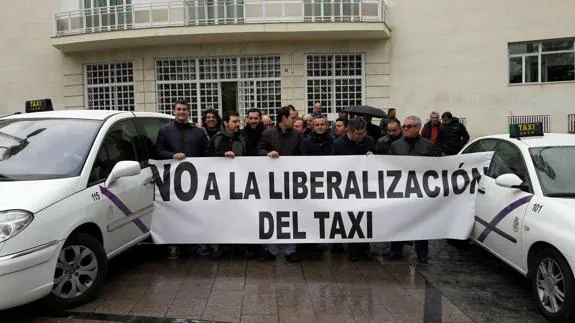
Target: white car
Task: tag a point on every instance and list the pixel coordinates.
(525, 213)
(75, 191)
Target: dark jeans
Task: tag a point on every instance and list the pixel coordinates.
(421, 247)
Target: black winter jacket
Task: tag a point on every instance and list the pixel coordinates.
(344, 146)
(317, 145)
(253, 136)
(384, 144)
(414, 147)
(285, 143)
(175, 137)
(223, 141)
(453, 137)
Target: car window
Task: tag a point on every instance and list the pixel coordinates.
(480, 146)
(555, 169)
(507, 159)
(149, 129)
(118, 145)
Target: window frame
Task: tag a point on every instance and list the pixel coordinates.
(112, 101)
(100, 147)
(138, 122)
(539, 54)
(528, 181)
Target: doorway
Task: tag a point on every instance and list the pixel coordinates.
(229, 97)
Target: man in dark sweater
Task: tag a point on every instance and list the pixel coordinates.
(180, 139)
(253, 130)
(281, 140)
(355, 142)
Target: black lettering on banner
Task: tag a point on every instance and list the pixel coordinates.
(162, 183)
(190, 169)
(380, 181)
(445, 183)
(475, 178)
(252, 187)
(296, 233)
(273, 194)
(412, 186)
(355, 225)
(369, 225)
(366, 193)
(454, 183)
(426, 188)
(266, 217)
(282, 224)
(286, 185)
(299, 185)
(212, 188)
(337, 226)
(233, 194)
(315, 184)
(396, 174)
(321, 216)
(333, 183)
(351, 186)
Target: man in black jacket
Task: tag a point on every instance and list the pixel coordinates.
(412, 144)
(393, 134)
(319, 142)
(253, 131)
(452, 134)
(281, 140)
(180, 139)
(355, 142)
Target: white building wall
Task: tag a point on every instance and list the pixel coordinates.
(452, 55)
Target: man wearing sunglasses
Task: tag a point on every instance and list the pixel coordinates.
(412, 144)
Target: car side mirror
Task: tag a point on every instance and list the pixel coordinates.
(123, 168)
(510, 181)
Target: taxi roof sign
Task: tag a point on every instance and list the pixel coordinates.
(39, 105)
(528, 129)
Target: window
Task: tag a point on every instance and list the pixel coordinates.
(541, 62)
(200, 82)
(335, 81)
(149, 127)
(107, 14)
(507, 159)
(110, 86)
(118, 145)
(481, 146)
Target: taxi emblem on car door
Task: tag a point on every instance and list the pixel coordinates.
(516, 224)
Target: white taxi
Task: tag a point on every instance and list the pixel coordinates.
(75, 191)
(525, 212)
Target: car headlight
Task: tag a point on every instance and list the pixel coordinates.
(12, 222)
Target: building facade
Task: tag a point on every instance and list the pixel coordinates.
(488, 62)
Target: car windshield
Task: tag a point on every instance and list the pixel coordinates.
(36, 149)
(555, 170)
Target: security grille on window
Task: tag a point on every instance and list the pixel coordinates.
(335, 81)
(109, 86)
(199, 81)
(541, 62)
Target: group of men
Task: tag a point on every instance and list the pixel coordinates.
(223, 137)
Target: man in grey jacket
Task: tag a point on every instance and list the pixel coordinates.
(412, 144)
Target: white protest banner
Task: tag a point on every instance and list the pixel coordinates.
(309, 199)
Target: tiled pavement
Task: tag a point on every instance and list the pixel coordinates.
(330, 289)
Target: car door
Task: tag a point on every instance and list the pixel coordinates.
(148, 129)
(128, 202)
(500, 210)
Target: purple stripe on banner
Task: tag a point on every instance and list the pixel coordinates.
(502, 214)
(123, 208)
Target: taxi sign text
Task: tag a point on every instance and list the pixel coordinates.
(526, 129)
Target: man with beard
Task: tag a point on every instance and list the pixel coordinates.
(227, 143)
(253, 131)
(281, 140)
(211, 122)
(393, 134)
(355, 142)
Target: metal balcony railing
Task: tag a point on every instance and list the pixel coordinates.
(544, 118)
(571, 123)
(216, 12)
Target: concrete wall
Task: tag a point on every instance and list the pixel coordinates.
(452, 55)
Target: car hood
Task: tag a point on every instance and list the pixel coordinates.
(34, 196)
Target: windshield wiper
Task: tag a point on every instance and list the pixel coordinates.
(561, 195)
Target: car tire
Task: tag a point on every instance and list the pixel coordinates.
(79, 274)
(546, 261)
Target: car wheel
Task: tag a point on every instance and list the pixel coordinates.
(80, 272)
(553, 285)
